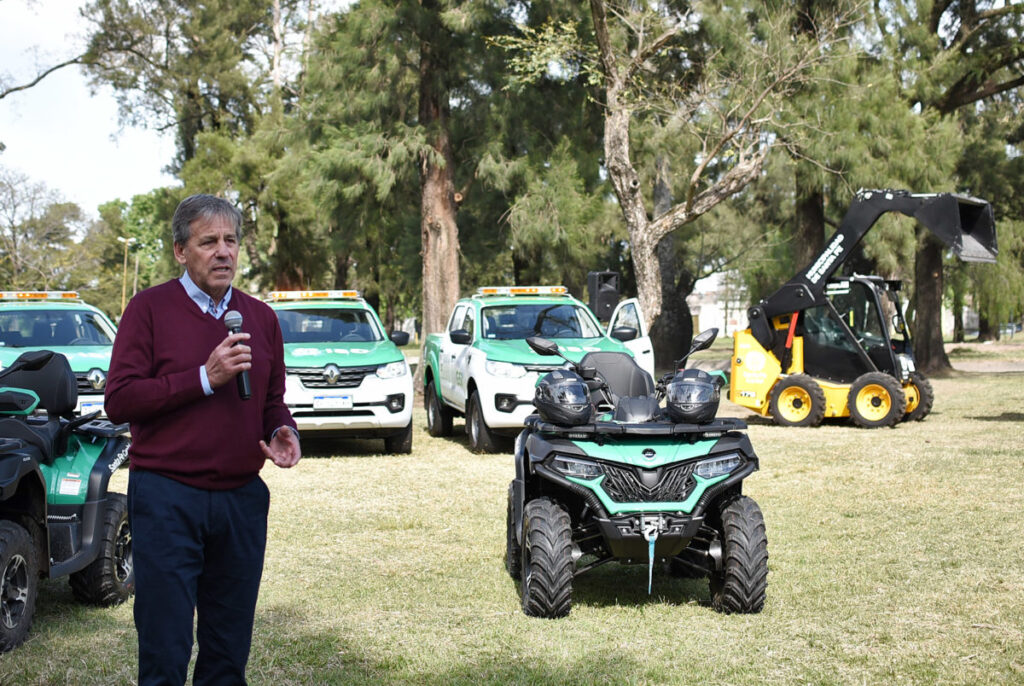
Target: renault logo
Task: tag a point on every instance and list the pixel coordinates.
(97, 379)
(332, 374)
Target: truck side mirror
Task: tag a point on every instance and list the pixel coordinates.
(624, 333)
(460, 337)
(399, 338)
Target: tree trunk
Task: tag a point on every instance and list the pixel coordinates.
(671, 333)
(928, 349)
(987, 332)
(809, 229)
(958, 316)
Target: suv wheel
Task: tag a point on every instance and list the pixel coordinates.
(19, 584)
(400, 443)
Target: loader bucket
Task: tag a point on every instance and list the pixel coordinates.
(965, 224)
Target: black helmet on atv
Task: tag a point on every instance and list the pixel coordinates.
(692, 396)
(561, 397)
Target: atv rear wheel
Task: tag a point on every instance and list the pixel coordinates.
(439, 417)
(19, 584)
(110, 578)
(481, 438)
(920, 397)
(513, 551)
(399, 443)
(547, 567)
(798, 400)
(876, 400)
(740, 585)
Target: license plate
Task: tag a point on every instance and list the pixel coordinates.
(88, 407)
(332, 402)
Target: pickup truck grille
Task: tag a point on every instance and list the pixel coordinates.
(624, 485)
(348, 377)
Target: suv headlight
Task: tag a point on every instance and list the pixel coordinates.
(505, 369)
(570, 466)
(717, 466)
(393, 370)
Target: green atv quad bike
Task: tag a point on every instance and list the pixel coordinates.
(56, 516)
(605, 473)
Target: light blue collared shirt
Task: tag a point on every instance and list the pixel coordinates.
(206, 304)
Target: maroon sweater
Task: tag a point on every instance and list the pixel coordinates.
(209, 442)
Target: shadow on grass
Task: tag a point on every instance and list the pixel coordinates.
(1004, 417)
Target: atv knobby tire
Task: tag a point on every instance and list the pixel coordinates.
(876, 400)
(797, 400)
(399, 443)
(920, 397)
(740, 586)
(439, 415)
(110, 578)
(547, 567)
(513, 551)
(19, 584)
(481, 438)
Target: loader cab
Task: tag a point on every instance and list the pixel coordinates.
(861, 324)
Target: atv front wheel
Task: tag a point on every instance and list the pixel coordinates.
(740, 585)
(400, 443)
(547, 566)
(876, 400)
(481, 438)
(19, 584)
(920, 398)
(513, 551)
(798, 401)
(110, 578)
(439, 417)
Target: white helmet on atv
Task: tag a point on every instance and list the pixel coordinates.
(692, 396)
(561, 397)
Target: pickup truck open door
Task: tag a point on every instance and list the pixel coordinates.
(628, 314)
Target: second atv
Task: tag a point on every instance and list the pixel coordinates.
(604, 473)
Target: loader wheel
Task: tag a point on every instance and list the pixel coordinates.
(920, 397)
(513, 551)
(547, 567)
(798, 401)
(876, 400)
(740, 585)
(439, 417)
(19, 584)
(110, 578)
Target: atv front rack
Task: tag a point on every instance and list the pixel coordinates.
(595, 430)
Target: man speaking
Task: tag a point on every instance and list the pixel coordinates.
(197, 506)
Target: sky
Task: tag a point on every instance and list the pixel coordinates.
(57, 132)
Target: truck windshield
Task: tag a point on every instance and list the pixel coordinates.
(53, 328)
(506, 322)
(328, 325)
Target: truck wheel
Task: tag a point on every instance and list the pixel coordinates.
(400, 443)
(920, 397)
(481, 438)
(110, 578)
(740, 586)
(876, 400)
(19, 584)
(513, 551)
(547, 566)
(439, 417)
(798, 401)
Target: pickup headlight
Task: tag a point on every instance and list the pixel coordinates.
(505, 369)
(582, 469)
(717, 466)
(393, 370)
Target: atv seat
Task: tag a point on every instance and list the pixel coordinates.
(55, 384)
(625, 378)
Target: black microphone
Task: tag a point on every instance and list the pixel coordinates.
(233, 320)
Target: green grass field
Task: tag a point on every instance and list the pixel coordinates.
(896, 556)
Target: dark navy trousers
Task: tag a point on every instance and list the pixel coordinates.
(198, 554)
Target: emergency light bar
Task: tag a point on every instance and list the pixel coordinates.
(522, 290)
(313, 295)
(39, 295)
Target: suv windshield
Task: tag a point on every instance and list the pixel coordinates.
(506, 322)
(25, 328)
(328, 325)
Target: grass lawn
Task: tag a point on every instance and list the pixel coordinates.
(896, 556)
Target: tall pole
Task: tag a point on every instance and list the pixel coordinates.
(124, 270)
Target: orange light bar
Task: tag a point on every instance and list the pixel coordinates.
(39, 295)
(313, 295)
(522, 290)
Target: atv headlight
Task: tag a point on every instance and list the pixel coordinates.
(717, 466)
(505, 369)
(393, 370)
(570, 466)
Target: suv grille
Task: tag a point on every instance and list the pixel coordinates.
(667, 484)
(349, 377)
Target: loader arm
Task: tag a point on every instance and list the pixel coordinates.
(963, 223)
